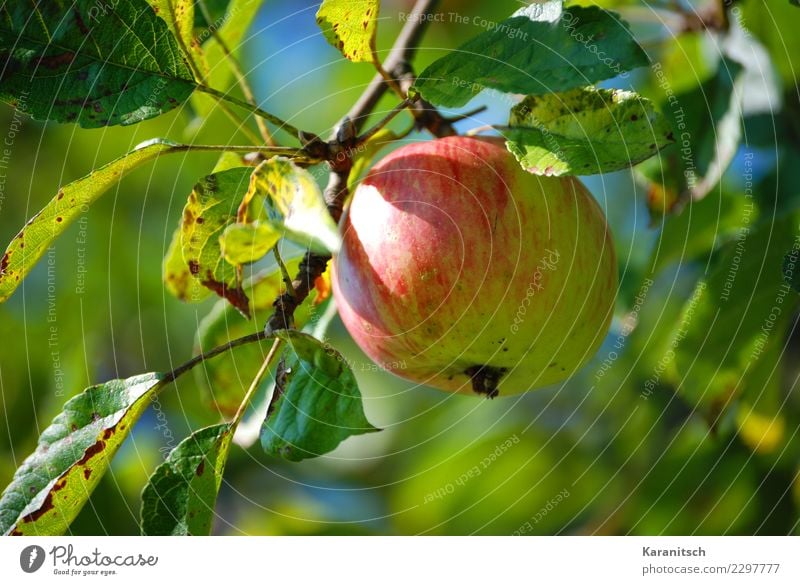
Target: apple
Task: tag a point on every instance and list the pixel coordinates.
(462, 271)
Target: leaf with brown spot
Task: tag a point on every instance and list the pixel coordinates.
(177, 274)
(585, 131)
(44, 227)
(180, 496)
(225, 378)
(97, 67)
(52, 484)
(350, 26)
(214, 200)
(231, 28)
(180, 16)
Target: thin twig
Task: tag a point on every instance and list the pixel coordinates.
(466, 115)
(388, 118)
(479, 129)
(387, 78)
(403, 50)
(287, 278)
(186, 366)
(241, 79)
(345, 137)
(286, 151)
(281, 124)
(254, 384)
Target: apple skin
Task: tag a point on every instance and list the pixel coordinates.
(460, 270)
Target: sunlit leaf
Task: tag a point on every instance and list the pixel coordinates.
(52, 485)
(180, 18)
(232, 30)
(178, 278)
(179, 499)
(317, 403)
(539, 50)
(242, 243)
(295, 204)
(91, 63)
(585, 131)
(226, 377)
(211, 208)
(43, 228)
(350, 26)
(763, 434)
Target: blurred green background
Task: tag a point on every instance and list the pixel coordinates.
(686, 421)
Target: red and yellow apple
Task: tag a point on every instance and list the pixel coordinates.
(462, 271)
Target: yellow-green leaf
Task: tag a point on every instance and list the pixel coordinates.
(38, 234)
(295, 203)
(242, 243)
(211, 208)
(225, 378)
(177, 277)
(350, 26)
(179, 16)
(52, 485)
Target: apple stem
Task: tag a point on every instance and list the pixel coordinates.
(485, 379)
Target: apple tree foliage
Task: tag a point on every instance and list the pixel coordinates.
(102, 64)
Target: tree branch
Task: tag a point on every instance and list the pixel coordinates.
(400, 56)
(186, 366)
(340, 152)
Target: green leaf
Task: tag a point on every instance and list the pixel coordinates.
(43, 228)
(316, 405)
(539, 50)
(350, 26)
(179, 499)
(211, 208)
(701, 227)
(736, 313)
(176, 274)
(216, 11)
(52, 485)
(775, 25)
(585, 131)
(225, 378)
(231, 29)
(242, 243)
(706, 122)
(180, 18)
(97, 64)
(791, 268)
(177, 277)
(295, 204)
